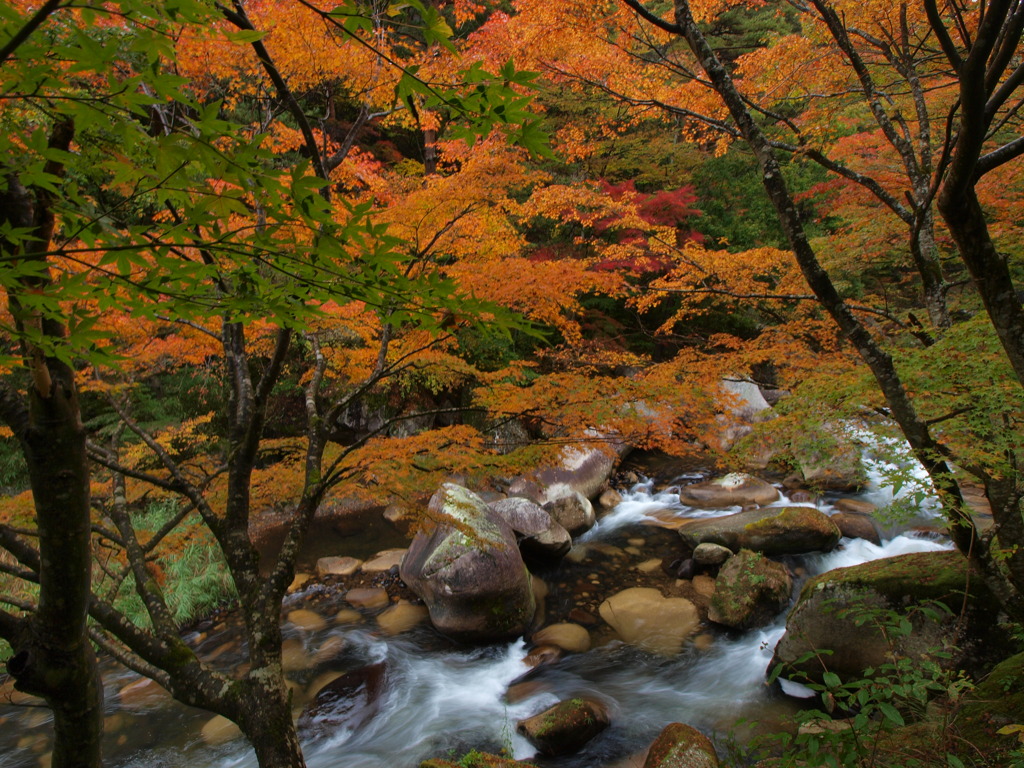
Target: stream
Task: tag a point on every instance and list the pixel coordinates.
(441, 700)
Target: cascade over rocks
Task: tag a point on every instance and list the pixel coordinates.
(735, 489)
(540, 538)
(771, 531)
(681, 746)
(750, 591)
(565, 727)
(903, 585)
(468, 570)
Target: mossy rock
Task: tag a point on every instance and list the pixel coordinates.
(750, 591)
(770, 530)
(681, 746)
(894, 586)
(476, 759)
(565, 727)
(996, 702)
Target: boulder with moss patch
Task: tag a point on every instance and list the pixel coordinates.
(750, 591)
(996, 704)
(846, 611)
(565, 727)
(681, 746)
(468, 570)
(771, 531)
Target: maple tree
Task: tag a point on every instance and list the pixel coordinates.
(135, 200)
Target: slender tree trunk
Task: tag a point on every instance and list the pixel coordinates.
(270, 727)
(53, 657)
(933, 283)
(989, 270)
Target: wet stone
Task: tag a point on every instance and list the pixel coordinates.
(142, 693)
(703, 585)
(401, 617)
(567, 636)
(299, 581)
(337, 566)
(583, 617)
(348, 616)
(384, 561)
(542, 654)
(307, 620)
(294, 656)
(648, 566)
(330, 649)
(219, 730)
(367, 597)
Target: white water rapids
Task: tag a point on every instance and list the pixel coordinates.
(447, 702)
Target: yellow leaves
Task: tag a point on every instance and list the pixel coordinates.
(703, 279)
(189, 438)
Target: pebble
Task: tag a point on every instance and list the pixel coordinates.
(348, 616)
(648, 566)
(367, 597)
(337, 566)
(401, 617)
(384, 561)
(307, 620)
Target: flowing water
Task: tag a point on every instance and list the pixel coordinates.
(439, 700)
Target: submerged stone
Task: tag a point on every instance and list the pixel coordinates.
(643, 617)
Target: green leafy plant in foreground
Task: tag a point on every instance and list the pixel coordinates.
(883, 717)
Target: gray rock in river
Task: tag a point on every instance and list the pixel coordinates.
(573, 511)
(771, 531)
(750, 591)
(468, 570)
(540, 537)
(736, 489)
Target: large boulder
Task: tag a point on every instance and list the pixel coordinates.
(565, 727)
(845, 611)
(643, 617)
(572, 511)
(744, 406)
(997, 702)
(830, 461)
(771, 531)
(750, 591)
(735, 489)
(681, 746)
(541, 539)
(582, 468)
(468, 570)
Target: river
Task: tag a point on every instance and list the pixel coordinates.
(442, 700)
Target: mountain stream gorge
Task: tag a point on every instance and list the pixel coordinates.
(436, 699)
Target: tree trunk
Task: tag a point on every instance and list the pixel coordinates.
(56, 660)
(989, 270)
(270, 727)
